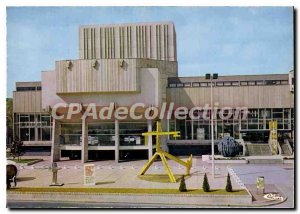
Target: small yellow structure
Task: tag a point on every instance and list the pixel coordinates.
(163, 155)
(273, 140)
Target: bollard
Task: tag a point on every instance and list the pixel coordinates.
(260, 184)
(54, 170)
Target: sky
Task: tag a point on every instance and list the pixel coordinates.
(224, 40)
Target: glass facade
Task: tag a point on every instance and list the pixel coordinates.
(33, 127)
(255, 127)
(228, 83)
(131, 133)
(103, 134)
(70, 134)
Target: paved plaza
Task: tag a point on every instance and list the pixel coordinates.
(278, 177)
(122, 175)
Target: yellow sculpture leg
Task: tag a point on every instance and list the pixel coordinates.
(170, 173)
(175, 159)
(189, 163)
(163, 154)
(148, 164)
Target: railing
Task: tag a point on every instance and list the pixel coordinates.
(33, 124)
(288, 145)
(131, 140)
(70, 139)
(101, 140)
(279, 148)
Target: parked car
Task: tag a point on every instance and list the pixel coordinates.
(12, 170)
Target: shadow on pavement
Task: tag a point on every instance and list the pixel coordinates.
(25, 178)
(105, 182)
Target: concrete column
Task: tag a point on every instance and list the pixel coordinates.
(35, 127)
(117, 141)
(84, 141)
(55, 146)
(216, 129)
(290, 119)
(163, 139)
(192, 131)
(150, 147)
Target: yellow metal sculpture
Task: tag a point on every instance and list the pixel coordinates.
(273, 140)
(164, 155)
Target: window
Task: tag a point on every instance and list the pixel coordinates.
(284, 82)
(46, 120)
(187, 84)
(131, 133)
(172, 85)
(277, 113)
(220, 83)
(203, 84)
(24, 118)
(24, 134)
(286, 113)
(31, 134)
(70, 134)
(244, 83)
(260, 82)
(272, 82)
(26, 88)
(227, 83)
(101, 134)
(196, 84)
(251, 82)
(179, 85)
(235, 83)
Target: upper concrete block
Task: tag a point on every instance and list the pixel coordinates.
(134, 40)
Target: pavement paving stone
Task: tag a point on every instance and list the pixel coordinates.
(125, 175)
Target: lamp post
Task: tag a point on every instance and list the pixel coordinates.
(211, 78)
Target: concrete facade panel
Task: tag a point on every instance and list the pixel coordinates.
(27, 101)
(144, 40)
(242, 96)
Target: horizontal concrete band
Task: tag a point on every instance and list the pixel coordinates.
(184, 199)
(229, 161)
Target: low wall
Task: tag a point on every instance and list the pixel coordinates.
(182, 199)
(288, 161)
(229, 161)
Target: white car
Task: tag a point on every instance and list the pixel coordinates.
(12, 169)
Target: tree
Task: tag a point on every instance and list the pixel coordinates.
(228, 187)
(205, 184)
(16, 149)
(182, 186)
(9, 120)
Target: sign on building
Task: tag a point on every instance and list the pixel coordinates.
(89, 174)
(273, 140)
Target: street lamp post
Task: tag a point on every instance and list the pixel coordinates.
(211, 78)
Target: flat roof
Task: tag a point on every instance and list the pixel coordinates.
(126, 24)
(29, 84)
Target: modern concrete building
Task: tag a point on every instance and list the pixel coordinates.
(137, 63)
